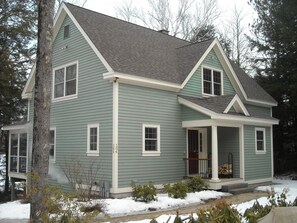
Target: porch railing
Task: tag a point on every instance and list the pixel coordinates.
(202, 167)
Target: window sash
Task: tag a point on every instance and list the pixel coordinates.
(65, 81)
(93, 139)
(52, 145)
(212, 81)
(151, 139)
(18, 152)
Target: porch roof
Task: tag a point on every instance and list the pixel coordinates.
(218, 107)
(16, 125)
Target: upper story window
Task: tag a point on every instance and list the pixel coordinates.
(93, 140)
(212, 81)
(65, 82)
(151, 140)
(18, 153)
(260, 141)
(52, 144)
(66, 31)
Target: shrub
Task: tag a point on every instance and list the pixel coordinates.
(177, 190)
(145, 193)
(258, 211)
(220, 213)
(196, 184)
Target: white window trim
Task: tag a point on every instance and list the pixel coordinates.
(150, 153)
(264, 140)
(212, 83)
(68, 97)
(91, 152)
(55, 145)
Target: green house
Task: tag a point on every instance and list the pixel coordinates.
(146, 106)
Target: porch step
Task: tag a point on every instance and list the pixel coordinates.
(237, 188)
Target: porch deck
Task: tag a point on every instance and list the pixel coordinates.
(223, 182)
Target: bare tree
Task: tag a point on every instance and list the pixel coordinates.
(82, 177)
(239, 41)
(41, 125)
(76, 2)
(183, 20)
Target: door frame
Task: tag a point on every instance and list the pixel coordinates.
(205, 144)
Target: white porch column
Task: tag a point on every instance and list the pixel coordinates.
(214, 152)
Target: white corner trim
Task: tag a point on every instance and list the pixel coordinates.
(271, 149)
(241, 152)
(64, 7)
(115, 140)
(141, 81)
(238, 106)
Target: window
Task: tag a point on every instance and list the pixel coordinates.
(66, 32)
(151, 140)
(260, 140)
(18, 152)
(65, 82)
(93, 140)
(212, 82)
(52, 149)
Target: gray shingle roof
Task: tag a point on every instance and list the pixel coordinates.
(250, 86)
(218, 104)
(136, 50)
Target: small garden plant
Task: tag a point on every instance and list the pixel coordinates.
(177, 190)
(145, 193)
(196, 184)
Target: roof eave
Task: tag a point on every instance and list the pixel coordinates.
(141, 81)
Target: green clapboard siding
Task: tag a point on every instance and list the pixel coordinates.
(257, 166)
(189, 114)
(140, 105)
(93, 105)
(228, 142)
(194, 86)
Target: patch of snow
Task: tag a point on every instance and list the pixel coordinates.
(126, 206)
(14, 210)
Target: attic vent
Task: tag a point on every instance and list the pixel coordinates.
(164, 31)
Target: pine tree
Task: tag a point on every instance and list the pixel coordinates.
(275, 40)
(17, 32)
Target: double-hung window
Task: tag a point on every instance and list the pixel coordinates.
(93, 140)
(151, 140)
(18, 153)
(52, 144)
(65, 82)
(260, 142)
(212, 81)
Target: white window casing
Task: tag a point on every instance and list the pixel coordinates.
(93, 140)
(260, 141)
(212, 81)
(153, 138)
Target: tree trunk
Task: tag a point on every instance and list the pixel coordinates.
(42, 100)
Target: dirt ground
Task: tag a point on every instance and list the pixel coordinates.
(234, 199)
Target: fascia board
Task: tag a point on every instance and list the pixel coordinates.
(27, 91)
(108, 67)
(234, 101)
(141, 81)
(16, 127)
(198, 64)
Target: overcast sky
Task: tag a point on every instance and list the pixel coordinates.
(226, 7)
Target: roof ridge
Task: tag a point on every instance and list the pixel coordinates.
(134, 24)
(194, 43)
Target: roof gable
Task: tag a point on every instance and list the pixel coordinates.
(126, 48)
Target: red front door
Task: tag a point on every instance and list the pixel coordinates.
(193, 151)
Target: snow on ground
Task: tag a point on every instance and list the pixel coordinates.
(117, 207)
